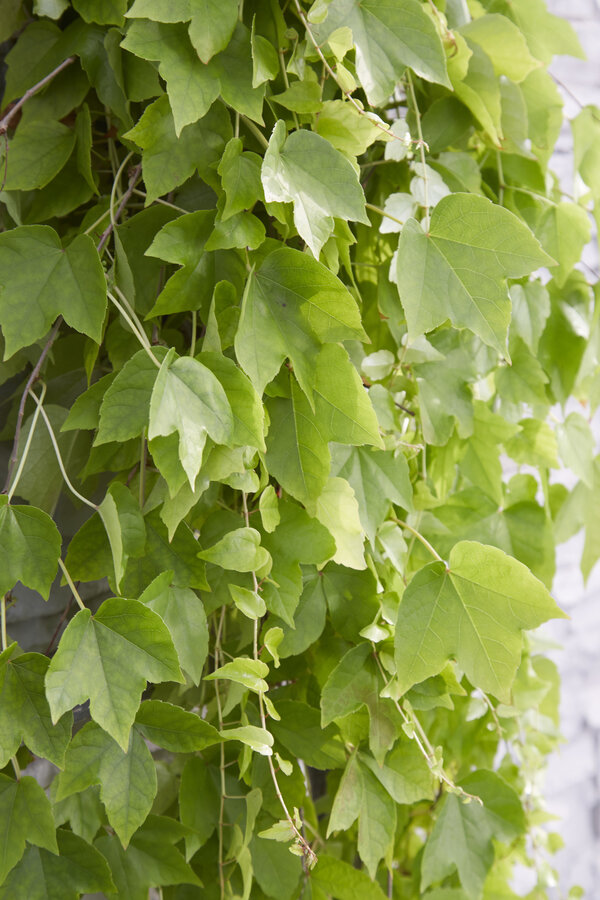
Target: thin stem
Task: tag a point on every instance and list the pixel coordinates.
(115, 218)
(133, 315)
(59, 458)
(382, 212)
(143, 340)
(143, 453)
(30, 381)
(419, 537)
(500, 178)
(255, 131)
(10, 115)
(71, 584)
(162, 202)
(194, 328)
(16, 767)
(114, 188)
(97, 222)
(421, 142)
(27, 446)
(286, 81)
(4, 633)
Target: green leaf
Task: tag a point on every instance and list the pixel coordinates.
(461, 839)
(530, 311)
(24, 711)
(124, 526)
(29, 168)
(29, 548)
(301, 734)
(349, 685)
(169, 159)
(563, 232)
(405, 774)
(269, 509)
(127, 778)
(107, 659)
(40, 875)
(250, 673)
(524, 380)
(192, 87)
(239, 550)
(474, 611)
(297, 539)
(150, 860)
(343, 881)
(305, 169)
(258, 739)
(199, 803)
(174, 728)
(240, 177)
(183, 613)
(25, 815)
(378, 478)
(276, 872)
(576, 447)
(301, 97)
(180, 555)
(41, 281)
(376, 822)
(388, 38)
(345, 128)
(102, 12)
(248, 602)
(292, 304)
(189, 400)
(246, 407)
(470, 248)
(125, 406)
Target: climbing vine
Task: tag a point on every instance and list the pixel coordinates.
(295, 342)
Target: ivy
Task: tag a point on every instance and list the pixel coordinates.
(293, 349)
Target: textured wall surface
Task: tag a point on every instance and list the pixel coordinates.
(573, 782)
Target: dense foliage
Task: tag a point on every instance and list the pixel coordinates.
(286, 291)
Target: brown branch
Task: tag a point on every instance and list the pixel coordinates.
(135, 174)
(7, 119)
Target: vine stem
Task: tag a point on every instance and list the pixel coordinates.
(114, 218)
(135, 327)
(382, 212)
(71, 584)
(421, 144)
(59, 458)
(30, 381)
(255, 131)
(308, 851)
(419, 537)
(27, 446)
(7, 119)
(500, 178)
(4, 633)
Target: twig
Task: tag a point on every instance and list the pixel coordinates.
(7, 119)
(27, 447)
(421, 144)
(419, 537)
(30, 381)
(133, 178)
(71, 584)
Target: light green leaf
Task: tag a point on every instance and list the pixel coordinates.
(183, 613)
(292, 304)
(302, 97)
(107, 658)
(349, 685)
(348, 799)
(29, 548)
(265, 62)
(524, 380)
(405, 774)
(238, 550)
(343, 409)
(127, 777)
(250, 603)
(534, 444)
(189, 400)
(269, 509)
(378, 478)
(505, 45)
(576, 447)
(337, 509)
(346, 129)
(174, 728)
(40, 875)
(530, 311)
(41, 281)
(376, 822)
(258, 739)
(343, 881)
(305, 169)
(456, 271)
(102, 12)
(473, 611)
(563, 231)
(25, 815)
(213, 23)
(250, 673)
(388, 38)
(24, 711)
(475, 84)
